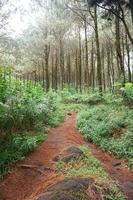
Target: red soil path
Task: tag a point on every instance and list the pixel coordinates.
(25, 183)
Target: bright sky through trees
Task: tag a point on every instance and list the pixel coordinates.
(20, 18)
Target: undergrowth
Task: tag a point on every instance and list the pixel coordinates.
(16, 147)
(71, 96)
(127, 92)
(25, 105)
(109, 126)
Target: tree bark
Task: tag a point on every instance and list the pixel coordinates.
(118, 48)
(128, 60)
(62, 64)
(131, 6)
(86, 53)
(99, 71)
(80, 63)
(56, 71)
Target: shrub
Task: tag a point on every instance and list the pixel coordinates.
(26, 105)
(16, 147)
(127, 92)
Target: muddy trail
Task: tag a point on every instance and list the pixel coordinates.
(29, 178)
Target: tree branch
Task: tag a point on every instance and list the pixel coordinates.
(81, 16)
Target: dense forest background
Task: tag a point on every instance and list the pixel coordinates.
(79, 43)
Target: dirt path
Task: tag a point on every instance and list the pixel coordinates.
(30, 177)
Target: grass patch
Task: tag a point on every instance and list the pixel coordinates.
(88, 166)
(73, 107)
(85, 165)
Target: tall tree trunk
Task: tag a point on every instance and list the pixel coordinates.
(69, 68)
(123, 50)
(46, 53)
(43, 76)
(99, 71)
(92, 74)
(77, 70)
(86, 53)
(112, 67)
(62, 64)
(109, 68)
(80, 62)
(53, 72)
(103, 71)
(56, 70)
(47, 50)
(118, 47)
(35, 77)
(128, 60)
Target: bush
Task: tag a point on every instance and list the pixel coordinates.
(26, 105)
(127, 92)
(5, 79)
(16, 147)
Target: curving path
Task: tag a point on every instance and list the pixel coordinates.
(30, 177)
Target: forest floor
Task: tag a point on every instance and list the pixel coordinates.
(31, 177)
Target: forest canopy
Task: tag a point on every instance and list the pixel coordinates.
(79, 43)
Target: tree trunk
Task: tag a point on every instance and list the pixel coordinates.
(62, 64)
(53, 72)
(118, 48)
(103, 67)
(80, 63)
(69, 69)
(92, 74)
(43, 75)
(127, 30)
(47, 50)
(56, 70)
(99, 71)
(77, 70)
(128, 60)
(112, 67)
(86, 53)
(109, 68)
(131, 6)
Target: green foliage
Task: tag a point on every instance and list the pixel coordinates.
(110, 127)
(5, 78)
(73, 107)
(128, 92)
(90, 97)
(26, 105)
(112, 98)
(16, 147)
